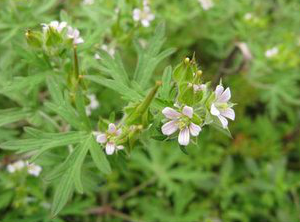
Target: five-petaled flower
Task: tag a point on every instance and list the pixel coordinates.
(75, 35)
(145, 16)
(181, 121)
(220, 106)
(33, 169)
(55, 25)
(109, 138)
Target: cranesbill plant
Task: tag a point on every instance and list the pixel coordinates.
(180, 105)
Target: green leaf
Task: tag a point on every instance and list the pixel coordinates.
(12, 115)
(48, 141)
(71, 177)
(149, 57)
(99, 157)
(63, 192)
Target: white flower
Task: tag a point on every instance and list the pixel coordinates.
(88, 2)
(220, 107)
(206, 4)
(109, 138)
(145, 16)
(199, 87)
(75, 35)
(248, 16)
(16, 166)
(33, 169)
(271, 52)
(58, 26)
(97, 56)
(94, 104)
(182, 122)
(110, 50)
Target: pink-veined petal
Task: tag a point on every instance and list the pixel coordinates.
(112, 128)
(194, 129)
(136, 14)
(184, 137)
(170, 113)
(118, 132)
(219, 90)
(145, 22)
(214, 111)
(101, 138)
(224, 121)
(228, 113)
(225, 96)
(110, 148)
(188, 111)
(169, 128)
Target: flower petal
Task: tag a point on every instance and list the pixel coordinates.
(112, 128)
(136, 14)
(110, 148)
(118, 132)
(145, 22)
(170, 113)
(225, 96)
(184, 137)
(169, 128)
(120, 147)
(194, 129)
(228, 113)
(101, 138)
(224, 121)
(219, 90)
(188, 111)
(214, 111)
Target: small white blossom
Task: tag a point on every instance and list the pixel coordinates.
(110, 50)
(34, 169)
(58, 26)
(198, 87)
(94, 104)
(181, 121)
(145, 16)
(248, 16)
(16, 166)
(75, 35)
(206, 4)
(88, 2)
(220, 107)
(97, 56)
(109, 139)
(271, 52)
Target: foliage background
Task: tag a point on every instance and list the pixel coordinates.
(252, 177)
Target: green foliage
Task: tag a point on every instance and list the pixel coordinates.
(248, 175)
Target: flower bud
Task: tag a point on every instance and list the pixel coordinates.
(34, 39)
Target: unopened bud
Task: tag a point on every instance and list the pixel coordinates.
(33, 38)
(187, 60)
(199, 73)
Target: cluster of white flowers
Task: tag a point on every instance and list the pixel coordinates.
(145, 16)
(182, 120)
(88, 2)
(271, 52)
(109, 139)
(94, 104)
(19, 165)
(109, 49)
(206, 4)
(72, 33)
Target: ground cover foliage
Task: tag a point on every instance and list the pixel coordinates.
(63, 84)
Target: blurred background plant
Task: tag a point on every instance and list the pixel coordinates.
(253, 46)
